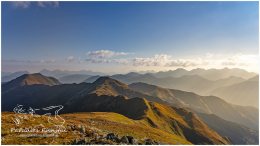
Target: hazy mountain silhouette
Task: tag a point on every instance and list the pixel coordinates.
(210, 74)
(60, 73)
(92, 79)
(74, 78)
(244, 93)
(193, 83)
(10, 76)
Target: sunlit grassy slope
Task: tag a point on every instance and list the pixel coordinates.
(100, 123)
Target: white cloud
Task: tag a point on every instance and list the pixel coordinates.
(70, 59)
(105, 54)
(183, 63)
(156, 60)
(239, 60)
(48, 3)
(48, 61)
(27, 4)
(164, 60)
(21, 4)
(94, 60)
(245, 61)
(121, 61)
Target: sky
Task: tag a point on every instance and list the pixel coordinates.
(118, 37)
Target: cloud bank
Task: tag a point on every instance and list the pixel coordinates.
(156, 62)
(27, 4)
(105, 54)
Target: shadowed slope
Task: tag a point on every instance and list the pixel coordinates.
(238, 134)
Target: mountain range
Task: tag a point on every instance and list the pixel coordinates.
(243, 93)
(235, 89)
(210, 74)
(202, 104)
(177, 112)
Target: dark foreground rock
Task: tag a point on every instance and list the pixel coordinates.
(111, 139)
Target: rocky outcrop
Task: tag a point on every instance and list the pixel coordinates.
(89, 138)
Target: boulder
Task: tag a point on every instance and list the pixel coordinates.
(124, 140)
(112, 137)
(131, 140)
(78, 142)
(150, 142)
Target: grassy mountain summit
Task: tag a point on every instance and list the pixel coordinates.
(34, 79)
(28, 80)
(92, 127)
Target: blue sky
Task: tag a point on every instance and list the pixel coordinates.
(127, 36)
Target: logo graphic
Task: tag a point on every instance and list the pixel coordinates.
(52, 112)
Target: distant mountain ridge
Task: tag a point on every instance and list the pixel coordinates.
(210, 74)
(73, 78)
(10, 76)
(193, 83)
(244, 93)
(62, 73)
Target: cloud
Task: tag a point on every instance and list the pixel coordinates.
(105, 54)
(91, 60)
(48, 3)
(27, 4)
(164, 60)
(183, 63)
(15, 61)
(121, 61)
(21, 4)
(70, 59)
(240, 60)
(156, 60)
(48, 61)
(20, 61)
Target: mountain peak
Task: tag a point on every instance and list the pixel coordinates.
(33, 79)
(105, 80)
(133, 74)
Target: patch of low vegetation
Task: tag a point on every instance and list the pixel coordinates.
(86, 128)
